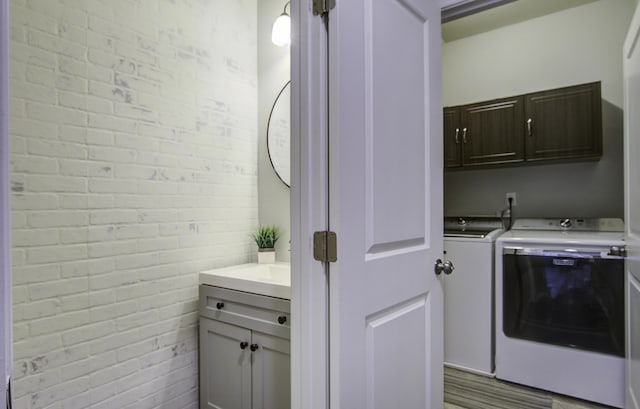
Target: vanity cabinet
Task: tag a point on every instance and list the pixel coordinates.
(559, 125)
(244, 350)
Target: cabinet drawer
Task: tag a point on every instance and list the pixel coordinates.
(257, 312)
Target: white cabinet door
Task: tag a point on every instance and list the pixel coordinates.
(225, 366)
(631, 58)
(271, 372)
(385, 188)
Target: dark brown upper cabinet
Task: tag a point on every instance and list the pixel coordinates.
(557, 125)
(564, 123)
(492, 132)
(484, 133)
(452, 138)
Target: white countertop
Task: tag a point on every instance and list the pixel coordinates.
(273, 280)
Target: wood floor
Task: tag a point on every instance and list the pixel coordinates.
(568, 403)
(463, 390)
(557, 403)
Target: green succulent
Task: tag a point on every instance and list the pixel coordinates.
(266, 236)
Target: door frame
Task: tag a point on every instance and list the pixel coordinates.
(5, 203)
(309, 199)
(630, 47)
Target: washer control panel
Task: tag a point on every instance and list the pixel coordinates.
(570, 224)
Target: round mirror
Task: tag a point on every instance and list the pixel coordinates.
(278, 134)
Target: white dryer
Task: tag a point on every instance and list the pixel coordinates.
(560, 307)
(468, 293)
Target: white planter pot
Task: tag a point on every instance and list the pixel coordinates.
(266, 256)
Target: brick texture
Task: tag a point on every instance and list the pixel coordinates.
(134, 167)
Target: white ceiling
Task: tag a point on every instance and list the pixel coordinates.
(505, 15)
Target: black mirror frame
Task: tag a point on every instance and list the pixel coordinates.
(268, 125)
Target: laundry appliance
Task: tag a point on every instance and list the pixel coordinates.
(560, 322)
(468, 293)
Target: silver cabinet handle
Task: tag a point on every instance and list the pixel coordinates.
(529, 130)
(457, 133)
(464, 135)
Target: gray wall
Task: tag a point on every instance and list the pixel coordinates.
(273, 73)
(574, 46)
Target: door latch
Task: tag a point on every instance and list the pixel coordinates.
(443, 267)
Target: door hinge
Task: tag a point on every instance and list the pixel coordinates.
(322, 7)
(325, 246)
(8, 394)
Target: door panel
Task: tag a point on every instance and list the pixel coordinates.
(385, 162)
(631, 64)
(392, 109)
(394, 352)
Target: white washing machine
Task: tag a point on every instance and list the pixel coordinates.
(560, 321)
(468, 293)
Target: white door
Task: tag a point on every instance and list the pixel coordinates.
(631, 63)
(5, 260)
(385, 204)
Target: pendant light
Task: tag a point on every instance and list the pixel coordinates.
(281, 32)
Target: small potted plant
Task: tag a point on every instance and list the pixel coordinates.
(266, 237)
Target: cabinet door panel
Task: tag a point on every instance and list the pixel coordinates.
(225, 368)
(565, 123)
(452, 135)
(271, 372)
(492, 132)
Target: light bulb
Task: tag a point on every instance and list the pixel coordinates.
(281, 32)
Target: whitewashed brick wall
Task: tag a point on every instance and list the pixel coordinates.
(134, 126)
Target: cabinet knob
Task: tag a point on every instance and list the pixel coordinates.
(529, 130)
(464, 135)
(220, 305)
(254, 347)
(282, 319)
(457, 138)
(244, 344)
